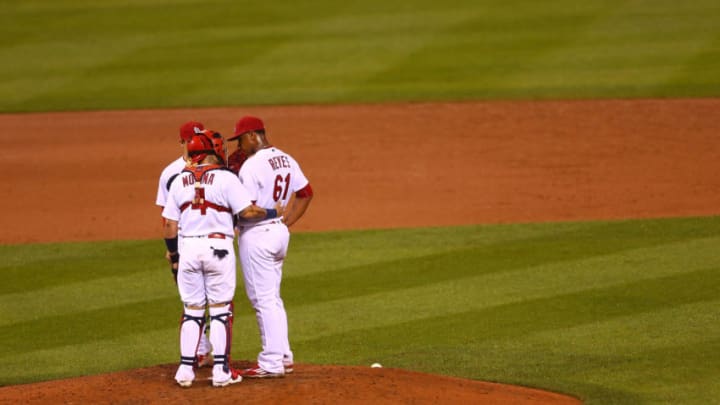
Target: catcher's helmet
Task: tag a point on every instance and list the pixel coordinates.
(198, 147)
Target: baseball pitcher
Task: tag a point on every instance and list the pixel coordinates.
(271, 177)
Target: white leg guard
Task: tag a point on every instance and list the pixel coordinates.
(190, 329)
(204, 348)
(221, 319)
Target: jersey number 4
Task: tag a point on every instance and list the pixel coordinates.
(281, 187)
(199, 201)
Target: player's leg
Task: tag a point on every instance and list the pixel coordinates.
(204, 351)
(261, 251)
(220, 280)
(190, 287)
(288, 356)
(221, 320)
(191, 326)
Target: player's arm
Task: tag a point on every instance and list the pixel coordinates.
(239, 196)
(170, 233)
(254, 213)
(171, 216)
(162, 194)
(299, 205)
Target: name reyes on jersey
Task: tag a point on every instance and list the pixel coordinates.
(279, 162)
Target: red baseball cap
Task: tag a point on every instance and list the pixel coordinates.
(190, 128)
(247, 124)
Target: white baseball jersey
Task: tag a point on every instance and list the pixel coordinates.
(204, 209)
(271, 175)
(163, 185)
(217, 190)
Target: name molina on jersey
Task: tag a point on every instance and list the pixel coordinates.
(189, 179)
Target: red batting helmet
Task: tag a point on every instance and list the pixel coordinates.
(199, 146)
(190, 128)
(247, 124)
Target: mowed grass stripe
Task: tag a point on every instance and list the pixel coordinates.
(88, 326)
(487, 259)
(494, 289)
(362, 40)
(95, 294)
(371, 279)
(620, 359)
(141, 348)
(626, 46)
(365, 310)
(496, 325)
(36, 266)
(137, 56)
(436, 323)
(347, 250)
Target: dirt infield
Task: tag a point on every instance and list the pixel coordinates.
(93, 176)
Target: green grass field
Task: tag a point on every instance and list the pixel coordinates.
(68, 55)
(613, 312)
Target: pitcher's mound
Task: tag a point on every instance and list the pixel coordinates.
(309, 384)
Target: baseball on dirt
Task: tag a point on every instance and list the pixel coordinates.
(376, 365)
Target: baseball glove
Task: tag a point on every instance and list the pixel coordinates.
(236, 160)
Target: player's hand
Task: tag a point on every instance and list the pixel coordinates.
(174, 270)
(279, 208)
(173, 264)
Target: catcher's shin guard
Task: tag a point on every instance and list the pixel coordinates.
(191, 326)
(221, 320)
